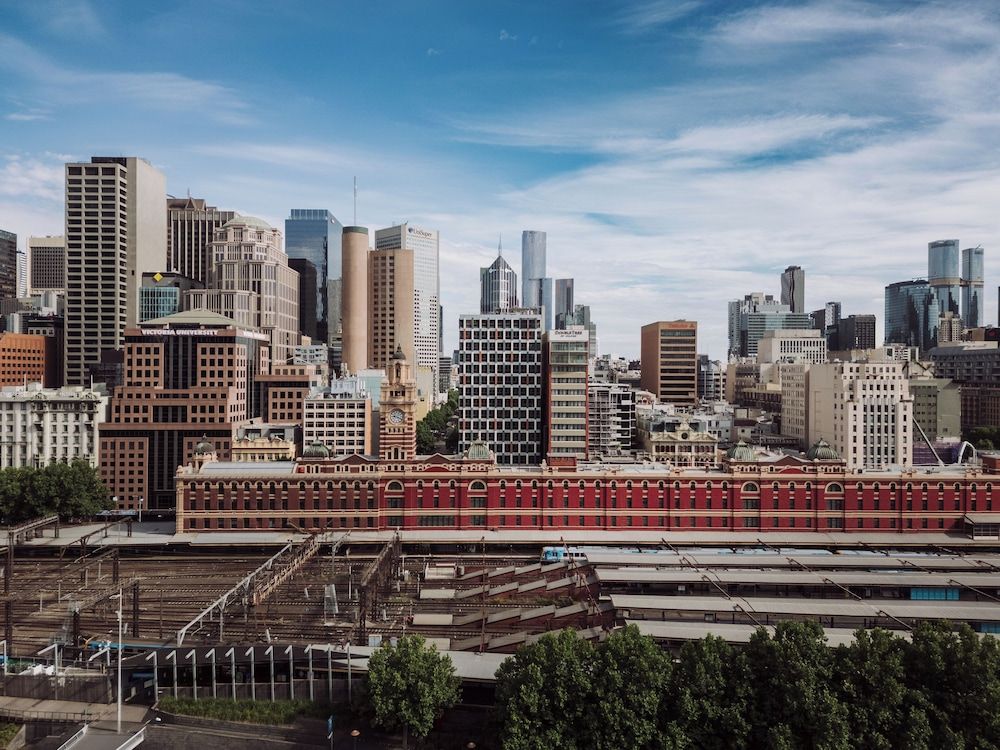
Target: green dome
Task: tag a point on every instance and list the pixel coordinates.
(478, 451)
(316, 450)
(741, 453)
(821, 451)
(203, 447)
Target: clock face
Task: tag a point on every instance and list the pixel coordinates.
(396, 416)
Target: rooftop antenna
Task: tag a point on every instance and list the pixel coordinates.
(355, 200)
(500, 245)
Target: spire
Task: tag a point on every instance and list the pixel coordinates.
(500, 246)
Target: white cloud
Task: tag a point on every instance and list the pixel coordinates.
(505, 36)
(647, 16)
(432, 52)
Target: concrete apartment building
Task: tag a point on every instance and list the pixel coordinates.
(43, 425)
(669, 361)
(808, 346)
(116, 229)
(610, 419)
(711, 379)
(252, 284)
(47, 264)
(864, 411)
(188, 379)
(565, 359)
(339, 417)
(191, 228)
(501, 386)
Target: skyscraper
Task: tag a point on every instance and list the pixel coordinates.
(8, 265)
(536, 287)
(308, 299)
(355, 303)
(497, 287)
(562, 302)
(191, 225)
(500, 384)
(793, 289)
(565, 364)
(756, 313)
(856, 332)
(423, 245)
(47, 264)
(972, 287)
(909, 314)
(106, 257)
(669, 361)
(314, 234)
(944, 275)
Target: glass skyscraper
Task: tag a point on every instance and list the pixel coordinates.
(314, 234)
(911, 313)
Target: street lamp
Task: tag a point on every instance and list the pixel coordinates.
(355, 733)
(471, 745)
(120, 598)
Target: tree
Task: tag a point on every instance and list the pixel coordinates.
(630, 675)
(72, 490)
(793, 704)
(410, 685)
(544, 694)
(707, 703)
(872, 683)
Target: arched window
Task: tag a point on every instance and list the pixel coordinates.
(833, 489)
(750, 487)
(394, 486)
(477, 486)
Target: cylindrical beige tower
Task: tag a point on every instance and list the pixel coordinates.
(354, 298)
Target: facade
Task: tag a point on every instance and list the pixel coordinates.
(339, 418)
(949, 328)
(580, 317)
(191, 227)
(47, 264)
(308, 280)
(937, 408)
(795, 402)
(8, 265)
(420, 248)
(23, 359)
(807, 345)
(252, 284)
(44, 425)
(611, 419)
(793, 289)
(944, 275)
(397, 429)
(247, 449)
(500, 384)
(536, 287)
(908, 314)
(752, 316)
(753, 495)
(497, 288)
(975, 367)
(284, 390)
(827, 320)
(864, 410)
(315, 235)
(162, 294)
(188, 379)
(669, 357)
(390, 306)
(354, 299)
(562, 301)
(47, 323)
(106, 256)
(972, 287)
(856, 332)
(565, 359)
(711, 379)
(677, 443)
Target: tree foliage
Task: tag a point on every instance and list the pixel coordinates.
(410, 685)
(71, 490)
(437, 428)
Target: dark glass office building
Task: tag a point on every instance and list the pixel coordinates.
(314, 234)
(911, 314)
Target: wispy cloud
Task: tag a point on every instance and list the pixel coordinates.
(29, 115)
(31, 177)
(647, 16)
(157, 90)
(432, 52)
(76, 18)
(506, 36)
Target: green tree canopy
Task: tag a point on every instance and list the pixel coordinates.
(410, 685)
(71, 490)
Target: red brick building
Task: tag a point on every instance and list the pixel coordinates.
(26, 357)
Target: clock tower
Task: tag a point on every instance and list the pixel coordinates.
(397, 424)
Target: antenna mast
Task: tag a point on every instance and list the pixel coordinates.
(355, 200)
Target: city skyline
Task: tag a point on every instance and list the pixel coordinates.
(691, 143)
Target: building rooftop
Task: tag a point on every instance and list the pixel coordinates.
(199, 316)
(247, 221)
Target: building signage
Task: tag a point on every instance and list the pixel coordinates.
(179, 331)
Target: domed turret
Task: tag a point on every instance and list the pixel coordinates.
(316, 450)
(479, 451)
(203, 447)
(822, 451)
(741, 453)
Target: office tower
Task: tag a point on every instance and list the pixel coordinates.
(252, 284)
(22, 273)
(972, 287)
(285, 388)
(191, 227)
(807, 345)
(355, 302)
(975, 366)
(23, 360)
(162, 294)
(500, 380)
(315, 235)
(937, 408)
(339, 417)
(949, 328)
(47, 264)
(580, 316)
(827, 320)
(497, 288)
(420, 327)
(562, 302)
(390, 306)
(106, 256)
(944, 275)
(908, 314)
(756, 313)
(856, 332)
(8, 265)
(308, 311)
(565, 361)
(711, 379)
(188, 379)
(44, 425)
(793, 289)
(864, 410)
(397, 433)
(669, 361)
(610, 419)
(536, 287)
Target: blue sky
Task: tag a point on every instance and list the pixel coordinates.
(679, 153)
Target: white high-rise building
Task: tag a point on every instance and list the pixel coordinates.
(116, 230)
(500, 382)
(44, 425)
(339, 417)
(807, 345)
(611, 419)
(425, 244)
(864, 410)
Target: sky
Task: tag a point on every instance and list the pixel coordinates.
(679, 153)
